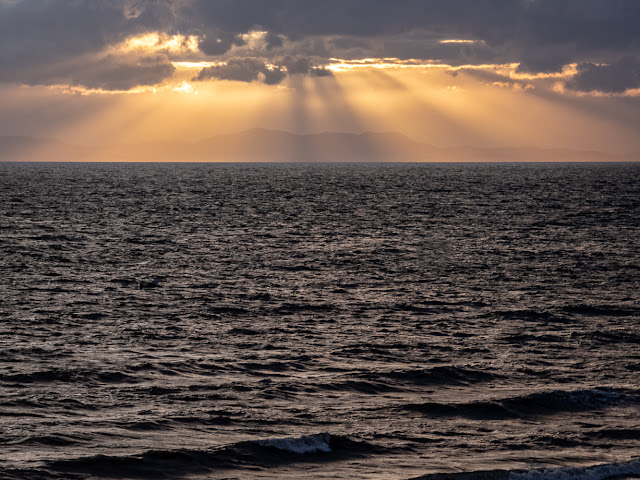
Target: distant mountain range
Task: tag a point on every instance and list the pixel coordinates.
(260, 145)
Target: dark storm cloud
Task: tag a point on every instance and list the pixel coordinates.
(116, 73)
(257, 70)
(273, 41)
(421, 45)
(614, 78)
(547, 62)
(541, 35)
(320, 72)
(243, 70)
(523, 24)
(40, 30)
(348, 42)
(47, 42)
(297, 65)
(217, 43)
(109, 72)
(303, 66)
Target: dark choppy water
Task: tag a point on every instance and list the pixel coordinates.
(319, 321)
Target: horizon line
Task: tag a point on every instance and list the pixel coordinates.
(195, 142)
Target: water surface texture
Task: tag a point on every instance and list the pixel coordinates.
(319, 321)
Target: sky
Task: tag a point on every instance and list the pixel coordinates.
(505, 73)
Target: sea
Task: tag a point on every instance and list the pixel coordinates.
(319, 321)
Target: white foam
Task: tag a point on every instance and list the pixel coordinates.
(300, 445)
(596, 472)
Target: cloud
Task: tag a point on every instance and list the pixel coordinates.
(38, 36)
(303, 66)
(460, 50)
(320, 72)
(297, 65)
(37, 30)
(618, 77)
(544, 60)
(117, 73)
(46, 42)
(257, 70)
(104, 72)
(217, 43)
(243, 70)
(513, 27)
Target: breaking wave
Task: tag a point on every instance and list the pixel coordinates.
(540, 403)
(177, 463)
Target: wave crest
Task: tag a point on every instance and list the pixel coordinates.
(596, 472)
(300, 445)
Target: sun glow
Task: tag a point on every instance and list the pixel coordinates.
(185, 87)
(255, 39)
(342, 65)
(460, 41)
(83, 91)
(156, 43)
(435, 103)
(196, 65)
(567, 71)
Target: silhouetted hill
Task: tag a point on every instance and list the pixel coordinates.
(260, 145)
(277, 146)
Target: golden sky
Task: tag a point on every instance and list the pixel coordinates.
(187, 70)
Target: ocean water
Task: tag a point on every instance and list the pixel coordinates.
(302, 321)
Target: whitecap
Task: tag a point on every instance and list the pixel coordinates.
(300, 445)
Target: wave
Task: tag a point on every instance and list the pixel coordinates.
(68, 376)
(600, 310)
(227, 310)
(472, 410)
(55, 238)
(618, 434)
(399, 380)
(607, 471)
(572, 401)
(278, 451)
(527, 315)
(292, 308)
(244, 331)
(366, 387)
(300, 445)
(595, 472)
(265, 453)
(539, 403)
(128, 374)
(614, 337)
(454, 375)
(48, 440)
